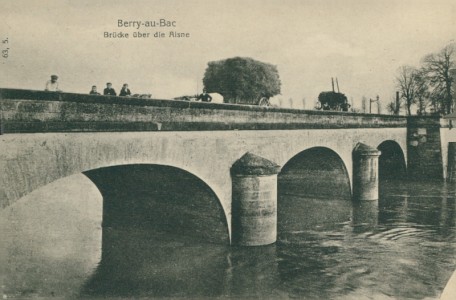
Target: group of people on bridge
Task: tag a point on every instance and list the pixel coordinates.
(52, 85)
(109, 90)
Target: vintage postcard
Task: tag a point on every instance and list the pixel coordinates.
(236, 149)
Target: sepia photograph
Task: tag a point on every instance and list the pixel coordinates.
(215, 149)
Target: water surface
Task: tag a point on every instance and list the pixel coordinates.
(402, 247)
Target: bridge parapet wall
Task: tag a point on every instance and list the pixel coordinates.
(26, 111)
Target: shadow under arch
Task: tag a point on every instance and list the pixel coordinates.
(160, 198)
(165, 234)
(311, 186)
(318, 172)
(391, 163)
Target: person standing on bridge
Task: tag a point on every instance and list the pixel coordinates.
(94, 90)
(345, 106)
(125, 91)
(109, 91)
(205, 97)
(52, 85)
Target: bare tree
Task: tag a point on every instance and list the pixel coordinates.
(421, 92)
(437, 68)
(364, 105)
(407, 84)
(391, 108)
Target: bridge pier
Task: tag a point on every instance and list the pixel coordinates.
(424, 148)
(365, 172)
(254, 201)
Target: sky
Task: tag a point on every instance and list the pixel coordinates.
(362, 43)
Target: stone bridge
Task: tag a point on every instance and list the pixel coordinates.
(233, 158)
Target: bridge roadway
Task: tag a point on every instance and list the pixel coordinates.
(47, 136)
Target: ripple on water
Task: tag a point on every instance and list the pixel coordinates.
(403, 249)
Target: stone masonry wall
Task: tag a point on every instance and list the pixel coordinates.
(24, 111)
(424, 148)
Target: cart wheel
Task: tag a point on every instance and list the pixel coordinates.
(263, 102)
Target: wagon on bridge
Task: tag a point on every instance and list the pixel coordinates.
(333, 100)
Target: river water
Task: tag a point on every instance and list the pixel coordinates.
(402, 247)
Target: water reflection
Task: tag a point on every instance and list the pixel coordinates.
(365, 216)
(140, 263)
(401, 247)
(51, 240)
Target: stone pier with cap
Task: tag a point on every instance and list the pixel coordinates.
(254, 201)
(365, 172)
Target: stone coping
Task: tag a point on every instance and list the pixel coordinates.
(251, 164)
(21, 94)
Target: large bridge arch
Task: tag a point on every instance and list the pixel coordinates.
(317, 172)
(35, 160)
(313, 192)
(392, 162)
(160, 197)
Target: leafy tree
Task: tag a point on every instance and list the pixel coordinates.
(436, 68)
(242, 80)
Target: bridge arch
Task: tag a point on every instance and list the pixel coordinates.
(317, 172)
(391, 163)
(163, 198)
(310, 187)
